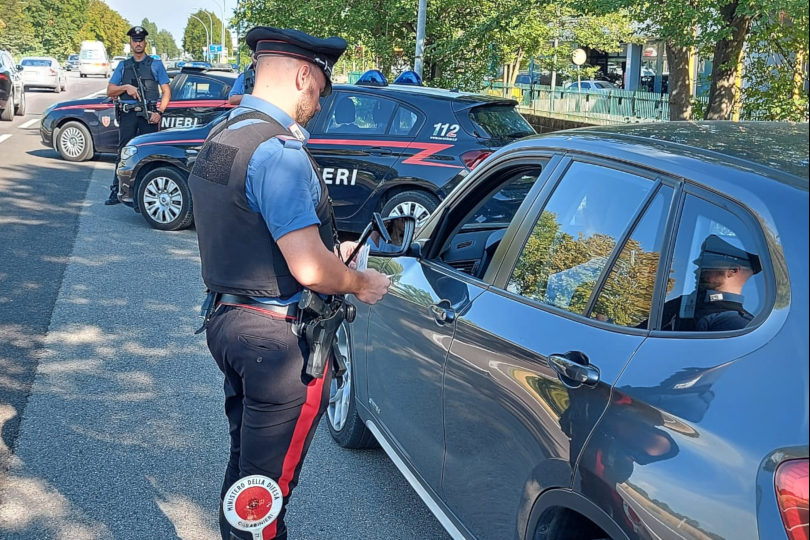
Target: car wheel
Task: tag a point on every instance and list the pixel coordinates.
(74, 143)
(20, 110)
(165, 200)
(411, 203)
(8, 113)
(345, 425)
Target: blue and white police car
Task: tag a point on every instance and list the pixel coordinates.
(397, 149)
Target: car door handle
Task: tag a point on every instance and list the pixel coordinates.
(379, 151)
(574, 367)
(443, 312)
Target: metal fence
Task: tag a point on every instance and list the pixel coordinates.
(594, 106)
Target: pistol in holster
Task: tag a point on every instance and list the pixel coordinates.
(209, 306)
(318, 323)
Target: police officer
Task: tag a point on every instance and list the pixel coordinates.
(266, 230)
(243, 83)
(139, 70)
(722, 270)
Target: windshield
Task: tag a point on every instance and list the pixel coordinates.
(36, 62)
(501, 122)
(73, 57)
(91, 54)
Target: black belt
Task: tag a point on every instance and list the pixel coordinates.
(239, 300)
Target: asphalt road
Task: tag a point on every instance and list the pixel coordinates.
(110, 407)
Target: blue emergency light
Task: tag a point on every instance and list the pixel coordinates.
(409, 77)
(372, 77)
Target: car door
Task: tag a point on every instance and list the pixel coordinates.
(417, 317)
(532, 362)
(357, 145)
(196, 100)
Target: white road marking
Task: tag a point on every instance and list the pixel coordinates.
(4, 137)
(29, 123)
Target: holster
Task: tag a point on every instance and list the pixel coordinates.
(319, 321)
(209, 306)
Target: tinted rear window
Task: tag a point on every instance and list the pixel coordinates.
(36, 62)
(501, 122)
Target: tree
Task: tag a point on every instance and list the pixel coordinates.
(16, 31)
(194, 36)
(57, 24)
(105, 25)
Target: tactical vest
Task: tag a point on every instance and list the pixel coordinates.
(238, 253)
(144, 71)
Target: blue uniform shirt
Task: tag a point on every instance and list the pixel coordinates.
(238, 87)
(281, 184)
(158, 72)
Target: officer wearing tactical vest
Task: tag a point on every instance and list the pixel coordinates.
(137, 113)
(266, 231)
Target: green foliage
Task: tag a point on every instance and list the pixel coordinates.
(105, 25)
(16, 31)
(195, 36)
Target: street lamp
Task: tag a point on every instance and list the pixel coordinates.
(222, 52)
(211, 22)
(207, 38)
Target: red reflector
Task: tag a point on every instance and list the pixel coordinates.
(474, 157)
(792, 495)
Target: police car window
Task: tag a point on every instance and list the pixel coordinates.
(626, 297)
(405, 122)
(716, 281)
(475, 241)
(576, 234)
(500, 122)
(360, 115)
(201, 88)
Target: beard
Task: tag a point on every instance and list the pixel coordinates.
(306, 107)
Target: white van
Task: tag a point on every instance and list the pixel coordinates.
(93, 59)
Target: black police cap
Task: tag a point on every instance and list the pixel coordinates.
(138, 33)
(323, 52)
(717, 253)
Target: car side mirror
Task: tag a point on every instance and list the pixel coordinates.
(20, 67)
(399, 231)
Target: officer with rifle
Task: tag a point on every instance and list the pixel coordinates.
(140, 86)
(273, 265)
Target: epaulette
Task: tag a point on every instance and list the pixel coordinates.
(290, 142)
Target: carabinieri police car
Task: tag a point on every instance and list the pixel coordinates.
(397, 149)
(81, 128)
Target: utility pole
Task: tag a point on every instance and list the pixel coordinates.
(420, 38)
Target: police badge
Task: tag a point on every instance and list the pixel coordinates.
(105, 121)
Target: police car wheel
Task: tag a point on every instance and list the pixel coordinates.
(74, 142)
(345, 425)
(411, 203)
(165, 200)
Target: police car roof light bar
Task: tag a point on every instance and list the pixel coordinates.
(409, 77)
(372, 77)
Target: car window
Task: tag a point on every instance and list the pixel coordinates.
(38, 62)
(626, 297)
(405, 122)
(360, 114)
(575, 235)
(91, 54)
(716, 281)
(479, 231)
(501, 122)
(201, 88)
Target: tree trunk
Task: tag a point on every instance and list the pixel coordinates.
(680, 82)
(727, 57)
(799, 77)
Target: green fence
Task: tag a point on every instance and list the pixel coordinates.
(595, 106)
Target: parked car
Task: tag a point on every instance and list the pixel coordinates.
(12, 91)
(93, 60)
(72, 63)
(115, 61)
(600, 333)
(395, 149)
(591, 86)
(81, 128)
(43, 72)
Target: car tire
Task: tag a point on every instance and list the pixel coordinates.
(20, 109)
(165, 200)
(7, 115)
(74, 142)
(418, 204)
(345, 425)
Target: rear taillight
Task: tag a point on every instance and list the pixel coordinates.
(53, 72)
(474, 157)
(792, 495)
(3, 77)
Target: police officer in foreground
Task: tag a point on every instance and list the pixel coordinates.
(141, 85)
(266, 232)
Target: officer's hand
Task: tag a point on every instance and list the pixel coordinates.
(374, 287)
(346, 249)
(133, 92)
(154, 118)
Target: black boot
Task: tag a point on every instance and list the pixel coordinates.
(112, 199)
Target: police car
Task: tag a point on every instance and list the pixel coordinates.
(81, 128)
(397, 149)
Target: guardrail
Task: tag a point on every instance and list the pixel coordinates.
(592, 106)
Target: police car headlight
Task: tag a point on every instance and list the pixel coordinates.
(128, 152)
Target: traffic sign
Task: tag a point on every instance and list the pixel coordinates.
(214, 48)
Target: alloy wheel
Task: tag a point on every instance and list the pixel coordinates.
(340, 391)
(162, 199)
(72, 141)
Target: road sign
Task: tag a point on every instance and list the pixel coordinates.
(214, 48)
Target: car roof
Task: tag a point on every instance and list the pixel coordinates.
(217, 73)
(425, 91)
(778, 150)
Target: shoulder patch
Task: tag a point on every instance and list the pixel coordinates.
(290, 142)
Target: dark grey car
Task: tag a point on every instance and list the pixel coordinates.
(601, 333)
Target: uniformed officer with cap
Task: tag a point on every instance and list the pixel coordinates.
(124, 84)
(266, 230)
(722, 270)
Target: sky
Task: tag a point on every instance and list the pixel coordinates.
(171, 16)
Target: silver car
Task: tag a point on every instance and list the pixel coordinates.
(43, 72)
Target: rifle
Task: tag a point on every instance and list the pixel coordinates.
(143, 107)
